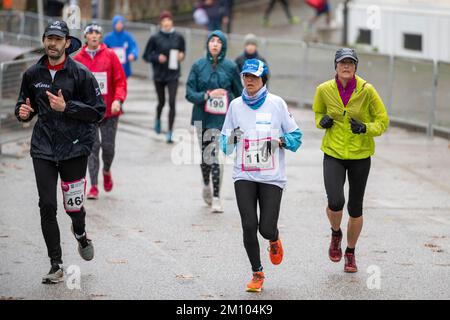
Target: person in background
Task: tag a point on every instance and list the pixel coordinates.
(321, 8)
(165, 45)
(212, 82)
(218, 13)
(123, 44)
(106, 67)
(250, 52)
(292, 19)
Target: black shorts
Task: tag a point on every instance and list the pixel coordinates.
(335, 172)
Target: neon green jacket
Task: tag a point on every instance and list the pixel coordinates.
(365, 105)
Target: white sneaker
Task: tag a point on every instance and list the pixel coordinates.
(207, 195)
(216, 206)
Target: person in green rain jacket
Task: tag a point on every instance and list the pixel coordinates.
(352, 113)
(212, 84)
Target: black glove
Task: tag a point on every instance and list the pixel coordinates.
(269, 148)
(235, 136)
(357, 127)
(326, 122)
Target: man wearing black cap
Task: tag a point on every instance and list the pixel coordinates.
(68, 102)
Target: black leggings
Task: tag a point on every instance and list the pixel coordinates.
(47, 181)
(210, 163)
(285, 4)
(172, 87)
(248, 194)
(334, 172)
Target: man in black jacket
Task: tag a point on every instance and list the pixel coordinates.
(165, 50)
(68, 101)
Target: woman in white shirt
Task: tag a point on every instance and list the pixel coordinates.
(260, 127)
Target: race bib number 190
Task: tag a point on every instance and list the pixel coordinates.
(217, 105)
(257, 155)
(73, 194)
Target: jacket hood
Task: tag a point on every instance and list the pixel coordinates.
(116, 20)
(75, 45)
(223, 52)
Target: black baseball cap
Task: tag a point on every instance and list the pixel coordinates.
(345, 53)
(59, 28)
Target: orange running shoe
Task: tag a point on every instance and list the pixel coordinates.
(256, 284)
(276, 252)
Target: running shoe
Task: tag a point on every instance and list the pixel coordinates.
(158, 126)
(93, 193)
(350, 263)
(107, 181)
(335, 251)
(55, 275)
(169, 137)
(85, 246)
(256, 284)
(276, 252)
(207, 195)
(216, 206)
(294, 20)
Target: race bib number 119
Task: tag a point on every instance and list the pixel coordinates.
(257, 155)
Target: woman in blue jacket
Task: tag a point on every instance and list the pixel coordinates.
(123, 44)
(212, 83)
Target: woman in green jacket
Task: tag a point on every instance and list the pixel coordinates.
(352, 114)
(212, 84)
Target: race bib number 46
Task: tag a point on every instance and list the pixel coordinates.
(73, 194)
(217, 105)
(257, 155)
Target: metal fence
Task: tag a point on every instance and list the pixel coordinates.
(415, 92)
(10, 80)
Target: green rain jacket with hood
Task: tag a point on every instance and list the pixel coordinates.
(204, 76)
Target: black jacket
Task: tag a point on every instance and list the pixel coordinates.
(162, 43)
(244, 56)
(62, 135)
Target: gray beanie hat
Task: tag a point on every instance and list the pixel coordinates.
(250, 39)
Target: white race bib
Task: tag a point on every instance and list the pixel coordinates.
(73, 194)
(257, 155)
(217, 105)
(173, 59)
(102, 79)
(121, 54)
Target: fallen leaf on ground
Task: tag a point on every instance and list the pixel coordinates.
(120, 261)
(184, 277)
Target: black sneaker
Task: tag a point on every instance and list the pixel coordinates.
(55, 275)
(85, 247)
